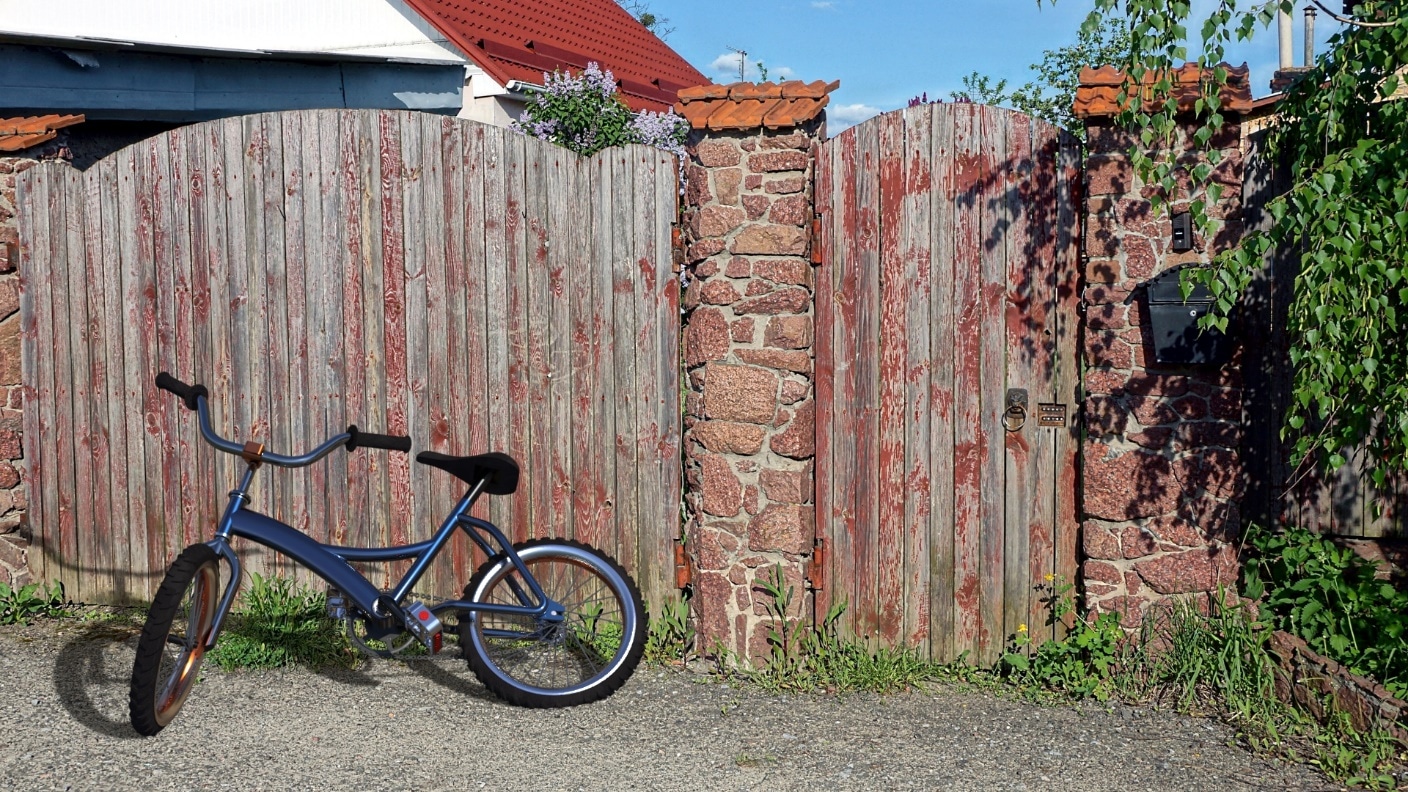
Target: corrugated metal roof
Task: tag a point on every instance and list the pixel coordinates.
(17, 134)
(744, 105)
(516, 41)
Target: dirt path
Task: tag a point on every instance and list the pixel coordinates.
(429, 725)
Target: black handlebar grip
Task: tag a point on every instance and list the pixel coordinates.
(188, 393)
(360, 439)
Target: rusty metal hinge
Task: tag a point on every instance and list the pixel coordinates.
(815, 568)
(684, 571)
(815, 242)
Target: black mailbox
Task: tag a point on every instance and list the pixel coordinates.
(1174, 322)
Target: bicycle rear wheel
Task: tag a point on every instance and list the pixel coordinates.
(537, 663)
(172, 645)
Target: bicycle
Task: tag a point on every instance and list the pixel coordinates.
(543, 623)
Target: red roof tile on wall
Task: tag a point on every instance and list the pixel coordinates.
(17, 134)
(517, 40)
(1098, 93)
(751, 106)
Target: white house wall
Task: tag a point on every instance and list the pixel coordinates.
(383, 28)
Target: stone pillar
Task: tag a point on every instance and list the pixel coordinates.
(1162, 470)
(747, 346)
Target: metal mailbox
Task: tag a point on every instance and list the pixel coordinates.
(1174, 322)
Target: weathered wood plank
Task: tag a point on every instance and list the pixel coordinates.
(600, 472)
(867, 541)
(496, 251)
(581, 215)
(138, 364)
(1068, 290)
(431, 490)
(669, 412)
(296, 130)
(917, 288)
(651, 527)
(180, 335)
(623, 347)
(355, 191)
(1024, 309)
(967, 377)
(1040, 203)
(323, 271)
(395, 286)
(452, 380)
(477, 384)
(536, 331)
(84, 561)
(892, 288)
(942, 399)
(566, 262)
(37, 288)
(844, 463)
(101, 536)
(992, 373)
(823, 390)
(418, 237)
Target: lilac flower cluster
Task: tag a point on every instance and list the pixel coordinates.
(665, 131)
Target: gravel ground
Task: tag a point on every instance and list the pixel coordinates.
(427, 724)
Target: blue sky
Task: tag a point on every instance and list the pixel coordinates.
(885, 52)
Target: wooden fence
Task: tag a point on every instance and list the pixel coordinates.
(949, 277)
(408, 273)
(1343, 503)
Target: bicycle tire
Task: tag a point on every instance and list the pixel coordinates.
(167, 663)
(584, 658)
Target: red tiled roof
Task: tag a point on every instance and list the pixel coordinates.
(744, 105)
(1098, 94)
(17, 134)
(516, 40)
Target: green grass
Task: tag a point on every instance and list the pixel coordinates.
(278, 624)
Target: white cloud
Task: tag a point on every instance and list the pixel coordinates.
(822, 4)
(725, 69)
(843, 117)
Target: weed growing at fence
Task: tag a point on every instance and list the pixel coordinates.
(27, 603)
(670, 638)
(1082, 664)
(279, 624)
(1328, 596)
(805, 659)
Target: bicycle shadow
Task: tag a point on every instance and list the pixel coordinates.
(92, 676)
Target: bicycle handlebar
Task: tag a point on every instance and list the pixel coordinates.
(195, 397)
(188, 393)
(360, 439)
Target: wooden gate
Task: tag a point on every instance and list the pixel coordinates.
(947, 381)
(416, 274)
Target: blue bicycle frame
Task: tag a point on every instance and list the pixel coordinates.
(333, 563)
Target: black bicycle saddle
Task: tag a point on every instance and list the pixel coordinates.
(499, 469)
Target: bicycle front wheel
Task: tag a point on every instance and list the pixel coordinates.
(172, 645)
(584, 657)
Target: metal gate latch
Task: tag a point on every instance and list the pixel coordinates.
(1016, 415)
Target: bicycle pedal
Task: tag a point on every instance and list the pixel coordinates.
(425, 625)
(337, 605)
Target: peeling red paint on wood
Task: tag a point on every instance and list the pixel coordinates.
(927, 501)
(277, 260)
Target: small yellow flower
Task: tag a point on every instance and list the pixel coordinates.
(1021, 628)
(1050, 577)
